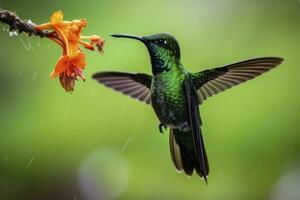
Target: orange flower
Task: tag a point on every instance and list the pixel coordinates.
(68, 35)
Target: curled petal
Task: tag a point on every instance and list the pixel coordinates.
(80, 23)
(87, 45)
(98, 41)
(95, 38)
(61, 66)
(78, 61)
(100, 45)
(78, 72)
(57, 16)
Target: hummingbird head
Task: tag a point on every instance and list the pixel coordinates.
(163, 49)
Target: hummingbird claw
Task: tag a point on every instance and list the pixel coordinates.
(162, 127)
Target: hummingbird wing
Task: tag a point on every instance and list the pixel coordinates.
(213, 81)
(134, 85)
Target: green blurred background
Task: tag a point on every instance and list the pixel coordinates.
(96, 144)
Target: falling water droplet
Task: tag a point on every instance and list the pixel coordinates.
(24, 45)
(34, 76)
(126, 144)
(13, 33)
(29, 163)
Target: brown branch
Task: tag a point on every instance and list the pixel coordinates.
(22, 26)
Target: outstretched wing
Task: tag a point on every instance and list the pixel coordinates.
(213, 81)
(134, 85)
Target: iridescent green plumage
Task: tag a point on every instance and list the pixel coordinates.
(167, 92)
(175, 94)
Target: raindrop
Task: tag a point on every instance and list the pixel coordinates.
(13, 33)
(126, 144)
(30, 43)
(29, 163)
(34, 76)
(24, 45)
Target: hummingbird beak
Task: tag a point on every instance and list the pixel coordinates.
(129, 36)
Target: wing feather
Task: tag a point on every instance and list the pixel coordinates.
(134, 85)
(211, 82)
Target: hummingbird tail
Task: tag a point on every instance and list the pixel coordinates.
(190, 144)
(184, 155)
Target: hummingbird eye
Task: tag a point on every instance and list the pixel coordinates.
(161, 42)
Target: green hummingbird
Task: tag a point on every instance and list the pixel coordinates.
(176, 94)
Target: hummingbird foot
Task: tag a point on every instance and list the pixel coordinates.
(161, 127)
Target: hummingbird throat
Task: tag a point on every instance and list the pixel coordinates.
(162, 59)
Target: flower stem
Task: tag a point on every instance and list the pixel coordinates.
(15, 23)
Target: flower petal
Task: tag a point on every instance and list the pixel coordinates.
(78, 60)
(61, 66)
(57, 16)
(98, 41)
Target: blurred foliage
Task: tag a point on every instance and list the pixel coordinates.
(251, 132)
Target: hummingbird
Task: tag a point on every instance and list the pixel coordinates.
(176, 94)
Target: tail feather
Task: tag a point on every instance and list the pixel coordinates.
(200, 170)
(175, 152)
(188, 161)
(184, 155)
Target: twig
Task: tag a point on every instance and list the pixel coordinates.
(22, 26)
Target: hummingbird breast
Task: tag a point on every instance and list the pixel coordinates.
(168, 98)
